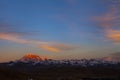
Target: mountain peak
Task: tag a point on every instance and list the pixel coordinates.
(32, 58)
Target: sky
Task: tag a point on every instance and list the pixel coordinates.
(59, 29)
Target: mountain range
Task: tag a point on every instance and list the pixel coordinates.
(34, 67)
(35, 59)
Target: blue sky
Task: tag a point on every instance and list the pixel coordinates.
(59, 29)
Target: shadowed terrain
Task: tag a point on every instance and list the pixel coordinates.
(28, 71)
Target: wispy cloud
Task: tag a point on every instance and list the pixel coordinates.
(111, 21)
(58, 47)
(11, 37)
(108, 20)
(50, 46)
(15, 37)
(113, 35)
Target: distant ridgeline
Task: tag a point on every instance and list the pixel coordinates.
(33, 67)
(35, 59)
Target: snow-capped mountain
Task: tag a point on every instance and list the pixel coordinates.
(32, 58)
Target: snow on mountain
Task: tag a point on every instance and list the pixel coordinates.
(35, 59)
(32, 58)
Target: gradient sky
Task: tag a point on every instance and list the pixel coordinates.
(59, 29)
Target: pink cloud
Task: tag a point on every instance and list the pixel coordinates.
(58, 47)
(113, 35)
(110, 21)
(12, 37)
(50, 46)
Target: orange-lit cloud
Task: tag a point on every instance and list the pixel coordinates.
(50, 48)
(14, 37)
(112, 18)
(108, 20)
(114, 35)
(111, 21)
(58, 47)
(54, 47)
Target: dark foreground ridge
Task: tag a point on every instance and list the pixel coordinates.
(48, 69)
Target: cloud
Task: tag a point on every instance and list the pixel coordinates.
(58, 47)
(11, 33)
(113, 14)
(110, 22)
(12, 37)
(113, 35)
(15, 37)
(50, 46)
(110, 19)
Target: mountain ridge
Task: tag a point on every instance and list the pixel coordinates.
(32, 58)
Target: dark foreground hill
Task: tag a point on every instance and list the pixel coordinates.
(51, 70)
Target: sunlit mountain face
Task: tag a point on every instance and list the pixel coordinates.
(33, 58)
